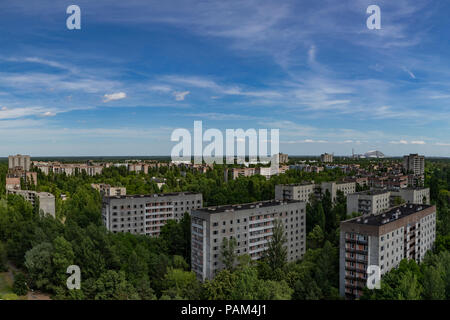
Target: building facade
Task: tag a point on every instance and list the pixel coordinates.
(414, 163)
(404, 232)
(251, 225)
(46, 200)
(413, 195)
(368, 202)
(147, 214)
(300, 191)
(107, 190)
(19, 161)
(326, 157)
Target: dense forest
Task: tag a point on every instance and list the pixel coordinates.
(125, 266)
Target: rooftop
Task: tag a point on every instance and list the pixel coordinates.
(154, 195)
(371, 192)
(390, 215)
(246, 206)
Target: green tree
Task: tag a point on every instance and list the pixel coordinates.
(276, 253)
(228, 253)
(20, 284)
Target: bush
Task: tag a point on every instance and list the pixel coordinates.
(20, 286)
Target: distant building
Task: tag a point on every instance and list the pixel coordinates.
(383, 240)
(413, 195)
(283, 158)
(326, 157)
(251, 225)
(303, 191)
(147, 214)
(368, 202)
(19, 161)
(69, 169)
(333, 187)
(299, 191)
(414, 163)
(12, 183)
(107, 190)
(46, 200)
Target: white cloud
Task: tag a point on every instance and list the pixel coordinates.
(114, 96)
(179, 96)
(417, 142)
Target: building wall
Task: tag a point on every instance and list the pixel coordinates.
(19, 161)
(146, 214)
(252, 229)
(300, 192)
(409, 236)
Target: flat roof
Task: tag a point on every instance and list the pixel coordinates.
(153, 195)
(246, 206)
(391, 215)
(372, 192)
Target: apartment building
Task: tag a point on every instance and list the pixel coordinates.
(46, 200)
(283, 158)
(146, 214)
(368, 202)
(107, 190)
(404, 232)
(414, 163)
(242, 172)
(326, 157)
(251, 225)
(299, 191)
(19, 161)
(333, 187)
(413, 195)
(12, 183)
(69, 169)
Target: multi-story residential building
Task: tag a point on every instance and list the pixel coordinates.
(283, 158)
(12, 183)
(383, 240)
(326, 157)
(303, 191)
(69, 169)
(414, 163)
(368, 202)
(299, 191)
(242, 172)
(107, 190)
(146, 214)
(251, 225)
(412, 195)
(46, 200)
(19, 161)
(362, 181)
(333, 187)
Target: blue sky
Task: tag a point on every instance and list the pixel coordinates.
(137, 70)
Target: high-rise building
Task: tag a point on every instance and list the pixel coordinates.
(19, 161)
(283, 158)
(251, 225)
(326, 157)
(404, 232)
(414, 163)
(147, 214)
